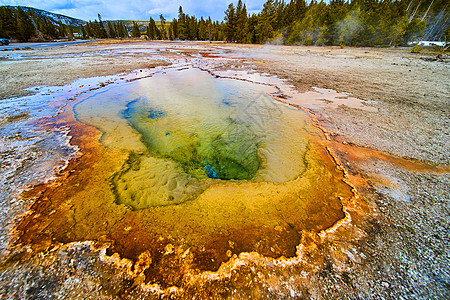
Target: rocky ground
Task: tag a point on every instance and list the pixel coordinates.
(397, 158)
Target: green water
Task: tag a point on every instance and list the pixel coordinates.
(206, 144)
(186, 130)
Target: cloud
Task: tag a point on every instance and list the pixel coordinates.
(134, 9)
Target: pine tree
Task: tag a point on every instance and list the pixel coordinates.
(297, 10)
(46, 27)
(202, 30)
(95, 27)
(252, 23)
(121, 30)
(151, 29)
(187, 28)
(117, 30)
(163, 27)
(220, 31)
(238, 10)
(25, 27)
(337, 11)
(263, 30)
(88, 29)
(192, 26)
(174, 26)
(334, 22)
(101, 31)
(43, 29)
(181, 24)
(230, 23)
(8, 23)
(241, 23)
(111, 31)
(270, 13)
(351, 28)
(158, 33)
(70, 33)
(34, 18)
(83, 33)
(124, 30)
(61, 29)
(210, 29)
(170, 31)
(136, 32)
(414, 30)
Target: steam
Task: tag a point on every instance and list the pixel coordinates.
(350, 26)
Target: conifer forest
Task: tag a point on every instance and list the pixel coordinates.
(298, 22)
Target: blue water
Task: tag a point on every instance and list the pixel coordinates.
(156, 114)
(185, 137)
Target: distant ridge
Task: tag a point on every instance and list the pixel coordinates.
(55, 17)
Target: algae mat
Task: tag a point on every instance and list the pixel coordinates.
(182, 170)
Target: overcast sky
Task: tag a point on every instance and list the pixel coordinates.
(134, 9)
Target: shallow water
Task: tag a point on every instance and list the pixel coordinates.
(189, 170)
(186, 130)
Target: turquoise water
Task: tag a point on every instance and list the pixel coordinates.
(204, 143)
(186, 130)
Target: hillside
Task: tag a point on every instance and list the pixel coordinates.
(55, 17)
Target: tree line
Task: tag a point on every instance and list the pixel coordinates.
(185, 27)
(97, 29)
(339, 22)
(27, 25)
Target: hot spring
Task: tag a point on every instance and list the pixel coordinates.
(188, 169)
(186, 130)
